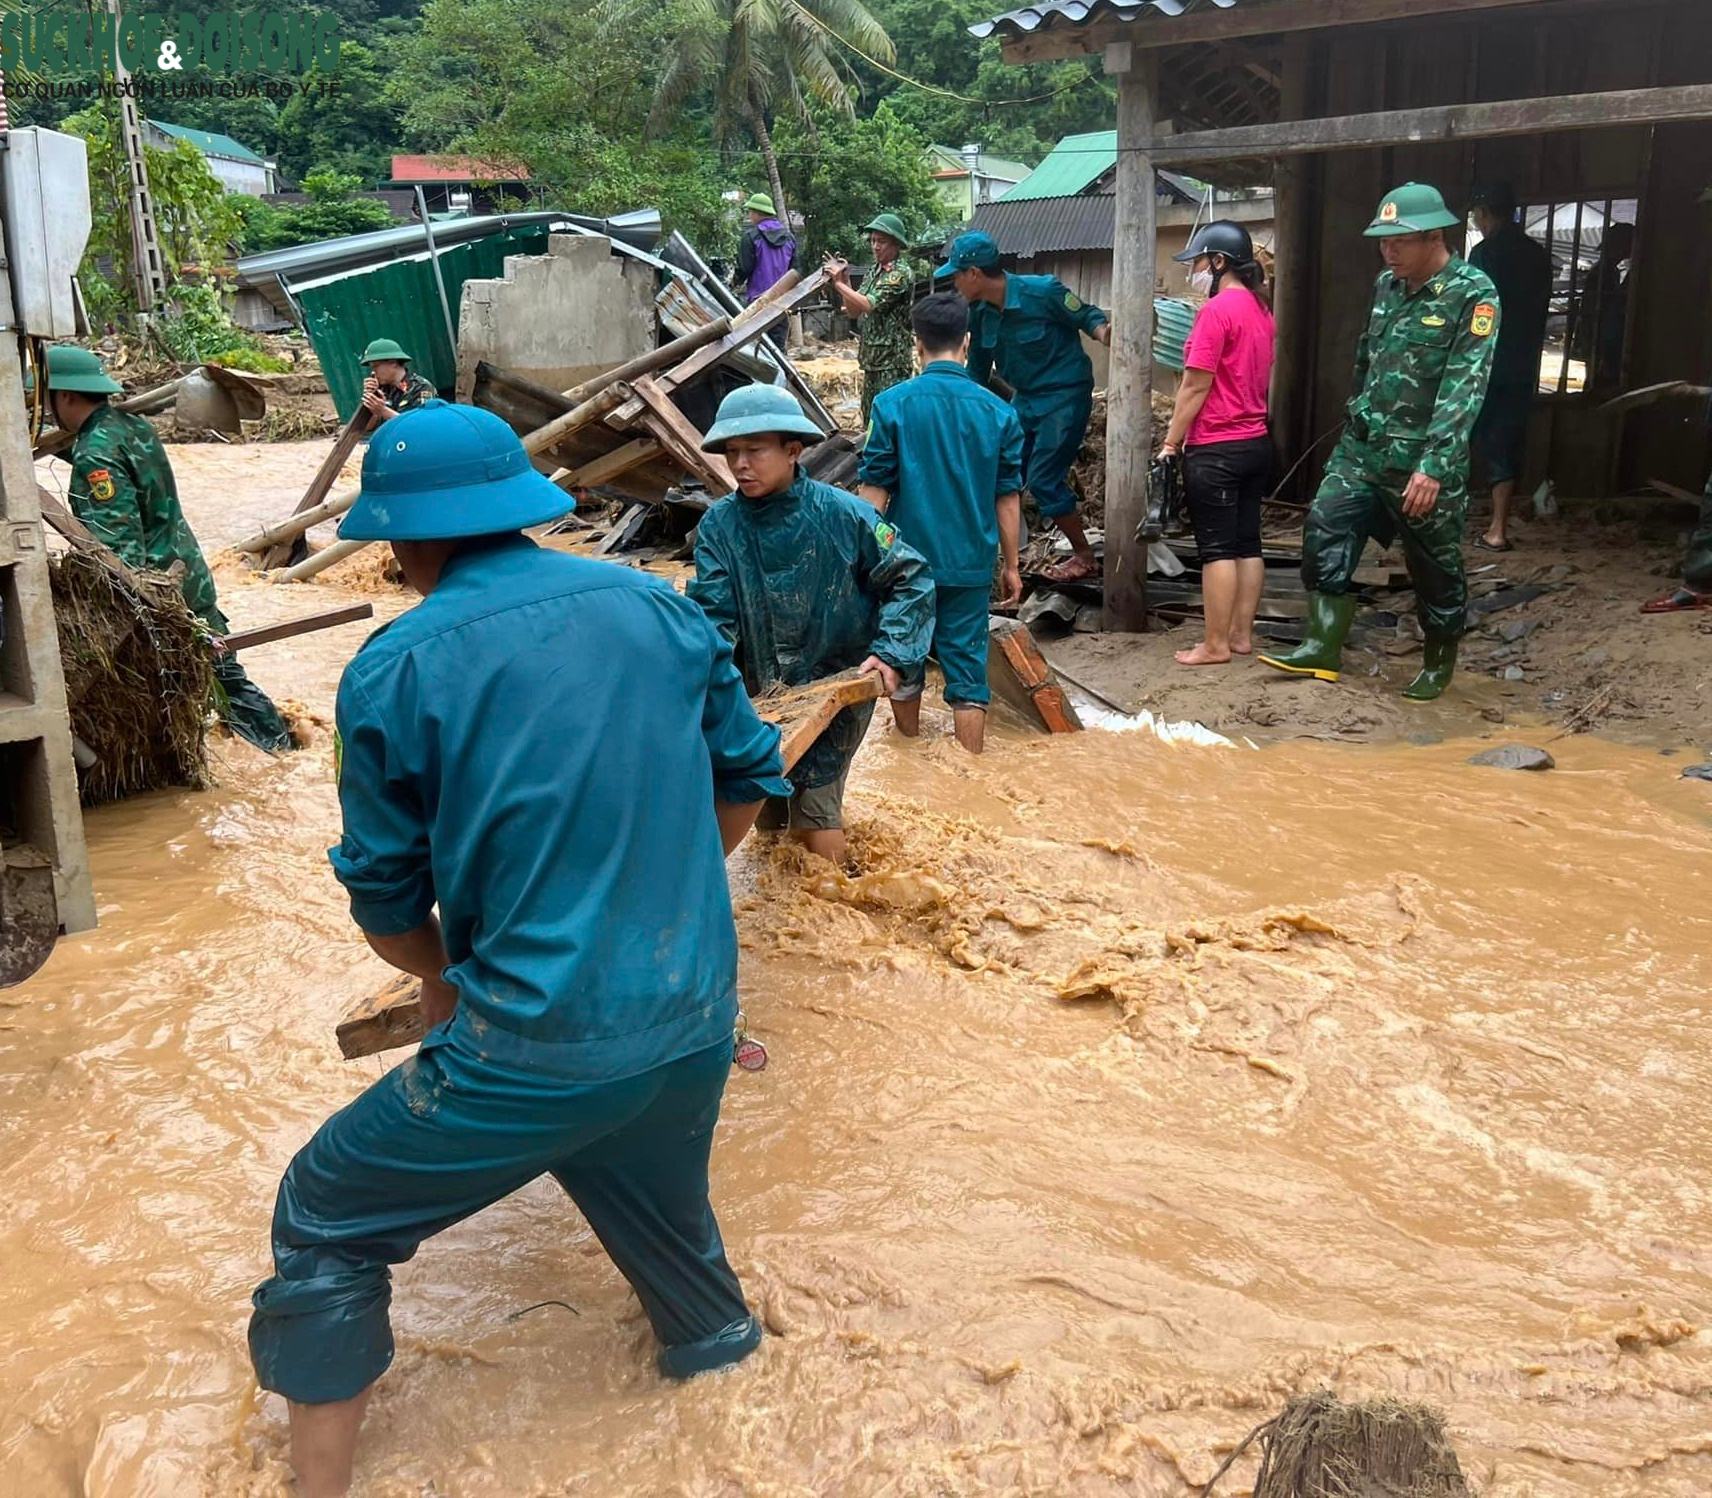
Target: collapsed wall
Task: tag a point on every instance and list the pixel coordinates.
(558, 318)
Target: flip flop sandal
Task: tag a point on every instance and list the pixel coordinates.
(1682, 601)
(1482, 544)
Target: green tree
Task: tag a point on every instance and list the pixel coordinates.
(562, 90)
(352, 130)
(762, 59)
(193, 219)
(333, 210)
(853, 169)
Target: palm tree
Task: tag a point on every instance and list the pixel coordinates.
(763, 56)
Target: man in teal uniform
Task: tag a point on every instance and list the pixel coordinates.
(943, 461)
(805, 581)
(1031, 328)
(579, 980)
(392, 385)
(123, 489)
(1401, 468)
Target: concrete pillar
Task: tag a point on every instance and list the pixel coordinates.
(1292, 289)
(1129, 390)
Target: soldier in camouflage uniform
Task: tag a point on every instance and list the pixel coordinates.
(881, 306)
(392, 386)
(1401, 470)
(122, 488)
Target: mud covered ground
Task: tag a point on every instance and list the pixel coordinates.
(1586, 656)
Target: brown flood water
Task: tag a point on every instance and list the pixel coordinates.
(1344, 1102)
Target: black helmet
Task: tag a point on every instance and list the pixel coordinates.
(1221, 237)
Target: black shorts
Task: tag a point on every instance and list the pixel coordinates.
(1225, 483)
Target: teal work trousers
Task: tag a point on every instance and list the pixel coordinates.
(448, 1133)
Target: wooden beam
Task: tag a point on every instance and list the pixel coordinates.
(1129, 386)
(243, 639)
(1248, 19)
(679, 436)
(1439, 122)
(608, 466)
(326, 475)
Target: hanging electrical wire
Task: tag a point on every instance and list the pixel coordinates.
(933, 88)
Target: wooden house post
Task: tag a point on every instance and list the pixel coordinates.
(1129, 389)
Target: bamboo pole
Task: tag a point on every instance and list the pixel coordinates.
(320, 562)
(295, 525)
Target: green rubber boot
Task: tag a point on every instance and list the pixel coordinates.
(1320, 654)
(1437, 666)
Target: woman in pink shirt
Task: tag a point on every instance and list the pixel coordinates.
(1219, 426)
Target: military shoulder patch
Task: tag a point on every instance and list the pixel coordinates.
(885, 533)
(101, 487)
(1485, 318)
(338, 757)
(1072, 302)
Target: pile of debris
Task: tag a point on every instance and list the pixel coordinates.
(630, 436)
(139, 677)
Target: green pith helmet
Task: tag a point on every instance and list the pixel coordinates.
(760, 203)
(1413, 208)
(383, 348)
(755, 409)
(890, 225)
(73, 368)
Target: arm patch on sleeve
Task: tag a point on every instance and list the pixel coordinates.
(101, 488)
(885, 533)
(1072, 302)
(1485, 315)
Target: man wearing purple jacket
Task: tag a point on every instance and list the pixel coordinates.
(764, 254)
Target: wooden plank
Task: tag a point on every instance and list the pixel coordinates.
(608, 466)
(67, 524)
(754, 321)
(1249, 19)
(1129, 393)
(244, 639)
(679, 435)
(1020, 675)
(280, 553)
(804, 713)
(392, 1016)
(1439, 122)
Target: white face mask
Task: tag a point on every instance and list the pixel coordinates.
(1201, 281)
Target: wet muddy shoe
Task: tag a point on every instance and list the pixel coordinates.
(1438, 665)
(1320, 654)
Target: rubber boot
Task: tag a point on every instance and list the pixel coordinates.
(1320, 654)
(1437, 666)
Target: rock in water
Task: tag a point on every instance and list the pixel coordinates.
(1514, 757)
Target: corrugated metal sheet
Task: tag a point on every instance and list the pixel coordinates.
(1071, 166)
(399, 300)
(1085, 12)
(1047, 226)
(1172, 321)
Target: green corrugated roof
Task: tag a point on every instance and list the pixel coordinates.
(1072, 167)
(209, 143)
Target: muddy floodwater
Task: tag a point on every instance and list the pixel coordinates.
(1131, 1088)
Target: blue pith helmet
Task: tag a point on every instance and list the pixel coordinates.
(756, 409)
(443, 471)
(971, 251)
